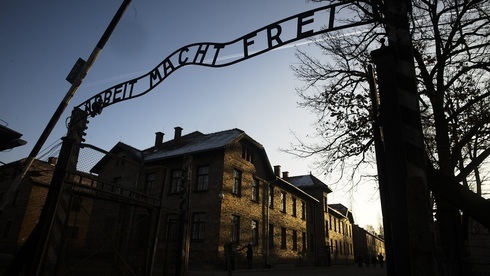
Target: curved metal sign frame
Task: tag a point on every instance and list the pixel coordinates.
(212, 54)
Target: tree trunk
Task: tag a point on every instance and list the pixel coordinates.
(448, 217)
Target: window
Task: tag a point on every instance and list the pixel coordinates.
(330, 221)
(326, 228)
(171, 231)
(255, 190)
(202, 178)
(295, 240)
(176, 181)
(283, 238)
(293, 205)
(235, 228)
(237, 182)
(150, 182)
(255, 232)
(271, 197)
(283, 202)
(271, 236)
(325, 205)
(198, 226)
(303, 210)
(76, 204)
(120, 161)
(303, 238)
(117, 181)
(247, 154)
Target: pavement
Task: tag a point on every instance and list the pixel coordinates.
(335, 270)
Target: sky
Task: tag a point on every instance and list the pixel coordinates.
(41, 40)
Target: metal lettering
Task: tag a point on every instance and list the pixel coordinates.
(154, 75)
(247, 42)
(261, 40)
(275, 37)
(302, 22)
(131, 84)
(117, 90)
(168, 68)
(201, 52)
(183, 61)
(107, 96)
(217, 47)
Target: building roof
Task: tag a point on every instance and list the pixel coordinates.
(136, 154)
(40, 171)
(342, 210)
(10, 138)
(280, 182)
(308, 181)
(191, 143)
(194, 142)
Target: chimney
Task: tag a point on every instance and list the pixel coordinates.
(178, 133)
(159, 138)
(52, 161)
(277, 170)
(285, 175)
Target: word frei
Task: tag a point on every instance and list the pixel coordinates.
(272, 36)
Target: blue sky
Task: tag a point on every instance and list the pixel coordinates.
(41, 40)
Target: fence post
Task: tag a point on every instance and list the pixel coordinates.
(56, 207)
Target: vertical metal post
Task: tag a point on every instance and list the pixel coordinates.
(184, 218)
(408, 197)
(381, 165)
(156, 231)
(49, 215)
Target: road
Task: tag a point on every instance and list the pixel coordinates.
(338, 270)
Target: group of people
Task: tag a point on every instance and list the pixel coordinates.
(370, 260)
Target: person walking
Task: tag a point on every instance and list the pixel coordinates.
(250, 256)
(359, 260)
(380, 259)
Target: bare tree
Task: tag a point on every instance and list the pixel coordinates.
(451, 46)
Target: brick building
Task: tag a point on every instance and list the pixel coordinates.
(224, 180)
(332, 225)
(234, 197)
(22, 212)
(368, 245)
(341, 223)
(319, 225)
